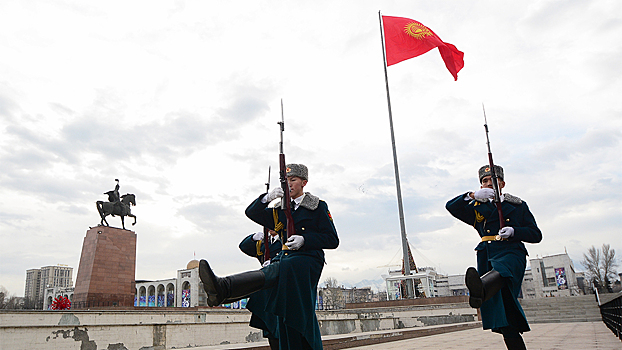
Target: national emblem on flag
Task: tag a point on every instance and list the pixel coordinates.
(406, 38)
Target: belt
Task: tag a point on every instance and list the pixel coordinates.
(493, 238)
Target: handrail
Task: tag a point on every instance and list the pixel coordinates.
(611, 313)
(597, 296)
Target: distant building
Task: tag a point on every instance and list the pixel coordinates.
(33, 283)
(334, 298)
(551, 276)
(38, 280)
(452, 285)
(54, 292)
(582, 283)
(424, 281)
(184, 291)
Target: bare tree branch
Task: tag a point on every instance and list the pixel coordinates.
(601, 268)
(591, 261)
(609, 262)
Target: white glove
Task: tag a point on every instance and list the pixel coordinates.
(484, 194)
(275, 193)
(257, 236)
(506, 232)
(265, 263)
(295, 242)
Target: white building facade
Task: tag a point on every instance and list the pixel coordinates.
(39, 280)
(54, 292)
(184, 291)
(550, 276)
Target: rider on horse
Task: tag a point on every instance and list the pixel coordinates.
(113, 197)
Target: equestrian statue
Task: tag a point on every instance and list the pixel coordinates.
(116, 205)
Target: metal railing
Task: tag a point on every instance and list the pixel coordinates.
(611, 313)
(94, 303)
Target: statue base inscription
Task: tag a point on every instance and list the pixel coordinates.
(106, 275)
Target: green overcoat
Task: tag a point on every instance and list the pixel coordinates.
(507, 257)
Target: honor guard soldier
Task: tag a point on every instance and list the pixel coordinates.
(294, 273)
(501, 255)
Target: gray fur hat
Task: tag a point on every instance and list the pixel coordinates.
(485, 171)
(298, 170)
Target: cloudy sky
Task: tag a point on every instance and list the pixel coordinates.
(180, 101)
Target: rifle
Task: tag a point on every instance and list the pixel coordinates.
(286, 201)
(266, 234)
(493, 176)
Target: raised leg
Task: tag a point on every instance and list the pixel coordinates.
(231, 287)
(133, 216)
(482, 288)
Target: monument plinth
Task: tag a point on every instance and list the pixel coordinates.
(106, 275)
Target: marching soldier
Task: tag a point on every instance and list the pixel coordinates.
(295, 272)
(501, 255)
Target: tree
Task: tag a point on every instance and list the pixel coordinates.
(600, 267)
(609, 263)
(4, 294)
(332, 295)
(331, 282)
(591, 262)
(8, 301)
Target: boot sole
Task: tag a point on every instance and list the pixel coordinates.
(476, 288)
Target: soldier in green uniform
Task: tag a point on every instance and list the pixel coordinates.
(294, 273)
(501, 255)
(253, 246)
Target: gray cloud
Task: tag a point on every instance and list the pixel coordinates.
(209, 216)
(30, 155)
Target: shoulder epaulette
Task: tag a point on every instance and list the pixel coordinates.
(512, 199)
(310, 201)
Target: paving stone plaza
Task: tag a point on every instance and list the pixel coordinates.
(543, 336)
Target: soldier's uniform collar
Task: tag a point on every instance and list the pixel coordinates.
(307, 200)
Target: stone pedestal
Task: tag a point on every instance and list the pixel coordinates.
(106, 275)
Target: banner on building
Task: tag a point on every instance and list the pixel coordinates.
(185, 298)
(560, 278)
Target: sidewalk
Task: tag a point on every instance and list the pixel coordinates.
(543, 336)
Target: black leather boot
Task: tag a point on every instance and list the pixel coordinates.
(482, 288)
(515, 343)
(232, 287)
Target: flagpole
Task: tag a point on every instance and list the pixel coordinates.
(406, 261)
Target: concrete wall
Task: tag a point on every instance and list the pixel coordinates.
(167, 328)
(396, 317)
(91, 330)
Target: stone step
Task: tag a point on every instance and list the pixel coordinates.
(532, 314)
(561, 309)
(565, 320)
(561, 305)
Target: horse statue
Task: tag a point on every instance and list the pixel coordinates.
(117, 208)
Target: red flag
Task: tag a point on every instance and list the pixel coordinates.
(406, 38)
